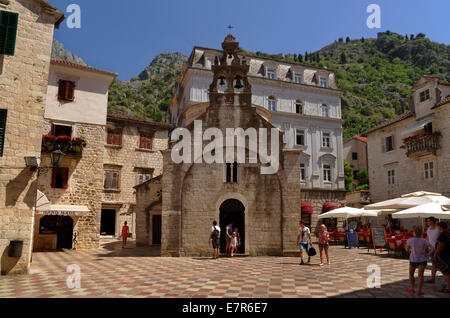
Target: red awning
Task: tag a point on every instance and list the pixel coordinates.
(329, 206)
(307, 208)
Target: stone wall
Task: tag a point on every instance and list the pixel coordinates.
(85, 182)
(128, 158)
(193, 193)
(148, 203)
(23, 86)
(318, 198)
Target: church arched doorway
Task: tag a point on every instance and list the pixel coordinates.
(232, 211)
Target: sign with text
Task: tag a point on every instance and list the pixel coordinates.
(378, 237)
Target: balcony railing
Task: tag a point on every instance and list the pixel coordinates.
(64, 143)
(428, 142)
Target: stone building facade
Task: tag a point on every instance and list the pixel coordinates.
(133, 155)
(302, 101)
(75, 121)
(355, 152)
(411, 152)
(265, 208)
(23, 86)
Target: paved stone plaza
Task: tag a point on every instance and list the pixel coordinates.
(111, 271)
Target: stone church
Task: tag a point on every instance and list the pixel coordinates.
(176, 210)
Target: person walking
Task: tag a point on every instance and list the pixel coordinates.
(228, 235)
(214, 239)
(432, 237)
(125, 232)
(420, 249)
(442, 254)
(324, 238)
(304, 236)
(238, 236)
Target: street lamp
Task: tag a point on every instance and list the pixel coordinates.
(57, 157)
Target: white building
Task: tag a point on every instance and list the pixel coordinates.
(303, 102)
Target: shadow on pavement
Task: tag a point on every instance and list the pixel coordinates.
(397, 290)
(114, 249)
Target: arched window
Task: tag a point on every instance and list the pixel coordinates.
(325, 111)
(272, 103)
(299, 107)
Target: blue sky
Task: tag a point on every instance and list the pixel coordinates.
(123, 36)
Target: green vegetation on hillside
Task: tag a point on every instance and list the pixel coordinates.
(149, 95)
(376, 76)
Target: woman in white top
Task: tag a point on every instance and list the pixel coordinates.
(420, 249)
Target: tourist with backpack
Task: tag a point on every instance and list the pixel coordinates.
(214, 238)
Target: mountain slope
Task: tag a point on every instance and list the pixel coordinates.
(150, 94)
(59, 52)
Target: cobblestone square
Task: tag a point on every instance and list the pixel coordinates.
(111, 271)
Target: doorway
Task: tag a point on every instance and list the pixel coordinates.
(61, 226)
(232, 211)
(108, 223)
(156, 229)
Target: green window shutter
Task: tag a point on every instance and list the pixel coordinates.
(3, 113)
(8, 32)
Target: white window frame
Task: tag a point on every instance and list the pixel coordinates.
(323, 82)
(296, 77)
(300, 132)
(326, 108)
(328, 138)
(386, 144)
(271, 74)
(327, 171)
(269, 104)
(429, 170)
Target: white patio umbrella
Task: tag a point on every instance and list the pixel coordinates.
(409, 200)
(446, 206)
(423, 211)
(346, 213)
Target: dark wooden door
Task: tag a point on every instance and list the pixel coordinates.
(156, 229)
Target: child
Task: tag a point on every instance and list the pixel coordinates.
(324, 237)
(233, 243)
(418, 247)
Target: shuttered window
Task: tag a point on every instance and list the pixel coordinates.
(146, 141)
(111, 179)
(8, 32)
(114, 137)
(66, 90)
(3, 113)
(60, 178)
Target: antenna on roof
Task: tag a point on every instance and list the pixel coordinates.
(230, 27)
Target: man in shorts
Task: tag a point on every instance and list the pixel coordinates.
(214, 238)
(303, 238)
(432, 236)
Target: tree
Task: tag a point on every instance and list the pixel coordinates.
(363, 40)
(341, 40)
(306, 56)
(347, 39)
(300, 58)
(343, 58)
(348, 172)
(363, 177)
